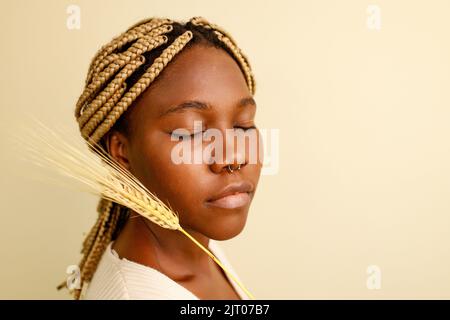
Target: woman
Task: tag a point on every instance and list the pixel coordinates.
(158, 77)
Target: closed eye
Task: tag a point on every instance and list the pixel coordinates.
(178, 135)
(246, 128)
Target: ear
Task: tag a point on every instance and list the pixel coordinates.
(117, 146)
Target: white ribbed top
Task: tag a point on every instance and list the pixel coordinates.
(122, 279)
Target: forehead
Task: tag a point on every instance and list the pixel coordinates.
(198, 73)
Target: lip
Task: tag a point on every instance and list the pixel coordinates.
(234, 195)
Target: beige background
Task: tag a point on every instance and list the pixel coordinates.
(364, 175)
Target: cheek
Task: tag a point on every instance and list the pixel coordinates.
(184, 187)
(169, 181)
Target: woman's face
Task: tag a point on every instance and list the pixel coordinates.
(202, 76)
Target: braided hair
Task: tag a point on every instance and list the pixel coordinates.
(119, 72)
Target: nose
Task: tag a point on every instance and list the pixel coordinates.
(232, 158)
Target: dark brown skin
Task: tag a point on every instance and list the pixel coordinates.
(199, 73)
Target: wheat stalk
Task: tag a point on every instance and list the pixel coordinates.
(103, 176)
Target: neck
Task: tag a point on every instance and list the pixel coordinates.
(142, 239)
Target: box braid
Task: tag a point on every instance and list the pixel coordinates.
(119, 72)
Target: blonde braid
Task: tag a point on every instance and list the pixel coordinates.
(103, 208)
(101, 242)
(99, 73)
(91, 243)
(90, 259)
(108, 94)
(131, 34)
(147, 78)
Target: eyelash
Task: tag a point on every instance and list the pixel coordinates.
(247, 128)
(192, 135)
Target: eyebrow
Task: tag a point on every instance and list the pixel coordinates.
(200, 105)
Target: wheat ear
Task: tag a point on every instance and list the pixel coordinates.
(105, 177)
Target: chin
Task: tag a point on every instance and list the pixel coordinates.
(226, 228)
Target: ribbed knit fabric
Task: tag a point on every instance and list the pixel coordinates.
(122, 279)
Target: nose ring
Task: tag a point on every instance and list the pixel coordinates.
(230, 170)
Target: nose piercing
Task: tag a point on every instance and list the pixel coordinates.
(230, 170)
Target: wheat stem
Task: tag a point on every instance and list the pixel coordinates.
(209, 253)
